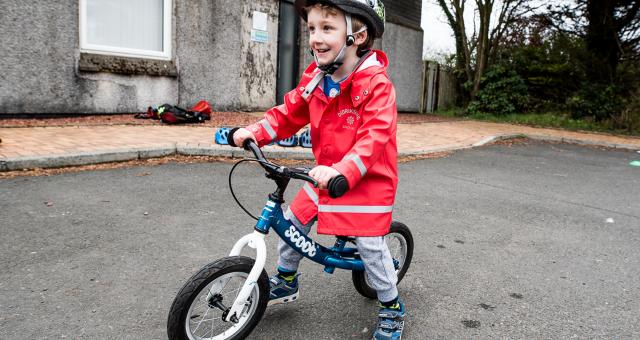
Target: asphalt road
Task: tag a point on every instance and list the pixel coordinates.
(533, 241)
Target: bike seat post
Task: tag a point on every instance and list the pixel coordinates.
(338, 246)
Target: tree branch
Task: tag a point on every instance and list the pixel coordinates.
(629, 17)
(447, 12)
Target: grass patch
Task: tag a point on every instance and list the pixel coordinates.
(546, 120)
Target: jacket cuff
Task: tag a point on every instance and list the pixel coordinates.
(263, 131)
(350, 171)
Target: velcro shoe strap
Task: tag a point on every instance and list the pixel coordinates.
(389, 314)
(389, 325)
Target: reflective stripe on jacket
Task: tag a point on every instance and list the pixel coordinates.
(355, 133)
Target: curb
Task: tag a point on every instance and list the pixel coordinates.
(128, 154)
(195, 149)
(85, 158)
(629, 147)
(206, 149)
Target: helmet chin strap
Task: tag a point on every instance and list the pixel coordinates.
(333, 66)
(320, 75)
(338, 61)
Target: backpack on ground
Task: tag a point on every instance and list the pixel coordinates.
(171, 114)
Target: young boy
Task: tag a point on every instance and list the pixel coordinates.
(349, 101)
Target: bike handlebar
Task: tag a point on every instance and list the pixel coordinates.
(337, 186)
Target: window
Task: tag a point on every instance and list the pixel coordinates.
(138, 28)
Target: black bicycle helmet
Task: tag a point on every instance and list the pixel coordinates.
(371, 11)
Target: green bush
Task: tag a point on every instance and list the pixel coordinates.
(629, 117)
(595, 101)
(551, 70)
(502, 92)
(629, 87)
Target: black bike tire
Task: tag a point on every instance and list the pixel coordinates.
(359, 278)
(180, 306)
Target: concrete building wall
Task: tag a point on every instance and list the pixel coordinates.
(403, 47)
(214, 58)
(259, 61)
(39, 73)
(208, 49)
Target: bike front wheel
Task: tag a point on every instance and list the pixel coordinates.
(198, 309)
(400, 243)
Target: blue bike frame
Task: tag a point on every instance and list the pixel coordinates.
(338, 256)
(272, 217)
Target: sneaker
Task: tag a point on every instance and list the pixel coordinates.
(282, 291)
(390, 322)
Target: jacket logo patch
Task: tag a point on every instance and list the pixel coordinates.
(352, 116)
(350, 120)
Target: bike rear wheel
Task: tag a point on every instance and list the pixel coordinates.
(197, 310)
(400, 243)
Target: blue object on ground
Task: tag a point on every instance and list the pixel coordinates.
(222, 136)
(288, 142)
(305, 138)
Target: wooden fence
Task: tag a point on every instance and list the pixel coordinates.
(438, 88)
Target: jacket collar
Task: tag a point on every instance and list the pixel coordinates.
(358, 81)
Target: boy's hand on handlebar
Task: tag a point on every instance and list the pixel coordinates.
(241, 135)
(323, 174)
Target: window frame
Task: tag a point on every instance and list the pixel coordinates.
(167, 28)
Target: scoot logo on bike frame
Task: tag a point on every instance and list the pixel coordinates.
(305, 246)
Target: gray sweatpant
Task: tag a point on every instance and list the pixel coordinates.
(373, 251)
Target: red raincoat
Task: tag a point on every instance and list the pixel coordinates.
(355, 133)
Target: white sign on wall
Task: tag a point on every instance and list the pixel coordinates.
(259, 32)
(260, 21)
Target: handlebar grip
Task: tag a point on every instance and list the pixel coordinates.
(250, 145)
(338, 186)
(230, 136)
(247, 144)
(305, 177)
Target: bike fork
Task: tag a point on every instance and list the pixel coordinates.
(254, 240)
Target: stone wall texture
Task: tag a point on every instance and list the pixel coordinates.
(214, 58)
(40, 55)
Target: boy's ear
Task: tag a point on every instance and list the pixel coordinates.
(361, 38)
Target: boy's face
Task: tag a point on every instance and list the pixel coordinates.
(327, 34)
